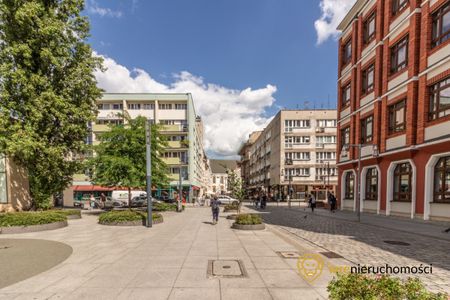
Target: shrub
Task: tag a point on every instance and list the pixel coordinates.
(248, 219)
(121, 216)
(68, 212)
(164, 207)
(30, 218)
(357, 286)
(231, 207)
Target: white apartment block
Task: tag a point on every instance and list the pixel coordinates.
(297, 146)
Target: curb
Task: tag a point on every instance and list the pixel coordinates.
(32, 228)
(73, 217)
(248, 227)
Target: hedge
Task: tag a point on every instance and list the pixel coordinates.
(68, 212)
(30, 218)
(231, 207)
(164, 207)
(248, 219)
(356, 286)
(119, 216)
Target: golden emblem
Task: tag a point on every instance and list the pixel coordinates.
(310, 266)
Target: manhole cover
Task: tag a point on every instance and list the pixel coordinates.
(330, 254)
(226, 268)
(399, 243)
(288, 254)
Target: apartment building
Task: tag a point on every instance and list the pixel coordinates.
(244, 163)
(297, 149)
(394, 99)
(219, 173)
(184, 156)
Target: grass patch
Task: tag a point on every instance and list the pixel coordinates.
(30, 218)
(248, 219)
(357, 286)
(122, 216)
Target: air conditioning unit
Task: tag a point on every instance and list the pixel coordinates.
(320, 129)
(185, 128)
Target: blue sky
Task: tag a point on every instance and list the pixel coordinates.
(234, 44)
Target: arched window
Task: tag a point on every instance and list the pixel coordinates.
(349, 185)
(371, 184)
(442, 180)
(402, 182)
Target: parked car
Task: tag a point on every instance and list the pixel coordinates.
(165, 199)
(227, 200)
(139, 201)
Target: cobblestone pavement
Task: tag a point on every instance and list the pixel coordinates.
(365, 244)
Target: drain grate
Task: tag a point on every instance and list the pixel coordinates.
(288, 254)
(226, 268)
(331, 254)
(398, 243)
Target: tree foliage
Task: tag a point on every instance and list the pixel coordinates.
(235, 185)
(47, 90)
(119, 159)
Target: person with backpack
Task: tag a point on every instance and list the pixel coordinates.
(215, 207)
(333, 202)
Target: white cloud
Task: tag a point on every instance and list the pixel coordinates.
(333, 11)
(93, 8)
(229, 115)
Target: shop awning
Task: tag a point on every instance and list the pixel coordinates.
(91, 188)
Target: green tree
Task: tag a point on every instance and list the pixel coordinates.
(47, 90)
(119, 159)
(236, 186)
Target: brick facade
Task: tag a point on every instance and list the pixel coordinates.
(422, 140)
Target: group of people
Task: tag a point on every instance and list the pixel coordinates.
(332, 201)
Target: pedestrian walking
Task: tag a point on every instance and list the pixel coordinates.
(103, 200)
(263, 201)
(333, 202)
(312, 202)
(215, 207)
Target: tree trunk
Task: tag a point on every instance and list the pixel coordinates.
(129, 197)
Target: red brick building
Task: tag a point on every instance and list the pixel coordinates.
(394, 92)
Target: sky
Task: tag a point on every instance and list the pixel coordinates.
(242, 60)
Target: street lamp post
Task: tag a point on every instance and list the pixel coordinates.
(148, 174)
(358, 173)
(289, 162)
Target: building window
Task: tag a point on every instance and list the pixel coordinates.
(298, 155)
(103, 106)
(291, 124)
(441, 25)
(367, 130)
(3, 188)
(399, 55)
(325, 156)
(347, 53)
(442, 181)
(134, 106)
(397, 117)
(440, 99)
(349, 185)
(398, 5)
(180, 106)
(345, 136)
(369, 28)
(368, 79)
(328, 139)
(149, 106)
(327, 123)
(117, 106)
(346, 90)
(402, 182)
(165, 106)
(371, 184)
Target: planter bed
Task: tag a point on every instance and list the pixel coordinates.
(249, 227)
(128, 218)
(32, 228)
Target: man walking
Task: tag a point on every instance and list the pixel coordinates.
(215, 207)
(312, 202)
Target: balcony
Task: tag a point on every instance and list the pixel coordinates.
(171, 128)
(173, 161)
(176, 144)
